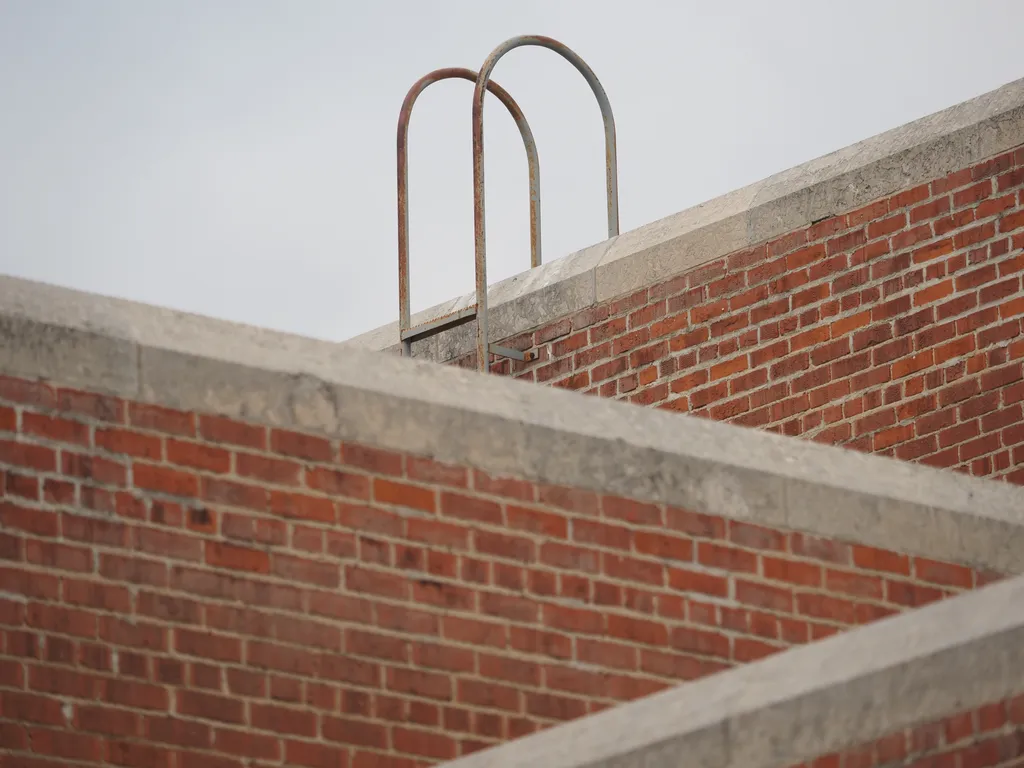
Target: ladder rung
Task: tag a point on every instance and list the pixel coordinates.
(514, 354)
(454, 320)
(438, 324)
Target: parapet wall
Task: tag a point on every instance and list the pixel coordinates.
(939, 687)
(224, 546)
(870, 299)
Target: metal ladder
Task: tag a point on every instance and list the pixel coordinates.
(478, 311)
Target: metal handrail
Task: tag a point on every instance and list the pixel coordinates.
(405, 313)
(479, 225)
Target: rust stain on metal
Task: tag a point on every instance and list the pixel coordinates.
(482, 84)
(405, 318)
(611, 165)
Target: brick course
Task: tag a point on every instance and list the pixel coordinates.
(893, 329)
(180, 589)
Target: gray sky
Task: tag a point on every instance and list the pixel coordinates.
(237, 157)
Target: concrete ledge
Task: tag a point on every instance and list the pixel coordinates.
(504, 426)
(835, 694)
(877, 167)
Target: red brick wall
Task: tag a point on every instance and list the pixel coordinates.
(178, 589)
(990, 736)
(895, 329)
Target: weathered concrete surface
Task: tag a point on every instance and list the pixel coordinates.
(914, 153)
(504, 426)
(810, 701)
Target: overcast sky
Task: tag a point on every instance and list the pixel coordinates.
(237, 157)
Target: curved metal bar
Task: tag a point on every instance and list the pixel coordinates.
(479, 224)
(405, 314)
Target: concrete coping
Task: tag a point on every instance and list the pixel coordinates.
(504, 426)
(917, 152)
(810, 701)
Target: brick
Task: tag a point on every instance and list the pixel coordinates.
(630, 569)
(92, 405)
(506, 487)
(1011, 222)
(793, 571)
(974, 235)
(946, 574)
(769, 597)
(266, 469)
(910, 197)
(504, 546)
(167, 544)
(629, 341)
(729, 558)
(880, 560)
(244, 743)
(535, 521)
(855, 584)
(99, 470)
(973, 194)
(36, 457)
(825, 607)
(106, 720)
(935, 292)
(909, 365)
(339, 483)
(170, 481)
(58, 556)
(138, 695)
(133, 570)
(208, 645)
(729, 368)
(71, 746)
(8, 419)
(105, 597)
(846, 242)
(124, 441)
(285, 720)
(929, 210)
(992, 166)
(910, 595)
(28, 519)
(602, 534)
(355, 732)
(231, 556)
(700, 642)
(887, 226)
(138, 755)
(183, 733)
(33, 393)
(55, 428)
(168, 608)
(158, 419)
(222, 430)
(419, 683)
(378, 583)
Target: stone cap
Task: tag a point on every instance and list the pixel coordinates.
(504, 426)
(835, 694)
(841, 181)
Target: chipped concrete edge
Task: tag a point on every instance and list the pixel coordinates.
(807, 702)
(841, 181)
(503, 426)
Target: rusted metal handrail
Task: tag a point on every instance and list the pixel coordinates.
(405, 313)
(479, 224)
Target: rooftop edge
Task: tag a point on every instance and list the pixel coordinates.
(503, 426)
(834, 694)
(924, 149)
